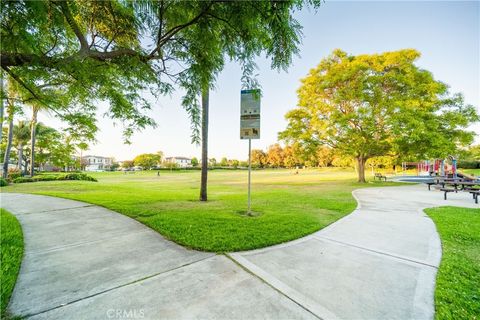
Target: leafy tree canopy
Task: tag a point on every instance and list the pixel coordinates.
(374, 105)
(275, 156)
(258, 158)
(53, 147)
(127, 164)
(147, 160)
(194, 162)
(72, 55)
(223, 162)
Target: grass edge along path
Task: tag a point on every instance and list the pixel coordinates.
(11, 246)
(457, 291)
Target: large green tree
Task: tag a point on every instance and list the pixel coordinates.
(372, 105)
(52, 147)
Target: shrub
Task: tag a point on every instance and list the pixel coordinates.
(3, 182)
(45, 177)
(13, 174)
(23, 180)
(53, 177)
(77, 176)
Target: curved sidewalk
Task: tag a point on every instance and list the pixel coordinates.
(379, 262)
(86, 262)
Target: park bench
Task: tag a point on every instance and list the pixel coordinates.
(379, 176)
(447, 190)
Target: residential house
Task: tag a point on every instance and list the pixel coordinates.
(97, 163)
(181, 162)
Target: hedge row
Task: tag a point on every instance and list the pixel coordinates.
(53, 177)
(468, 164)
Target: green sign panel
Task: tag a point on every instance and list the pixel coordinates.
(250, 114)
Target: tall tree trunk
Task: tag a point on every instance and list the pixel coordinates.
(20, 157)
(1, 116)
(33, 133)
(8, 149)
(361, 169)
(2, 105)
(203, 184)
(25, 167)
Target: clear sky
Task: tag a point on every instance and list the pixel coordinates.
(446, 33)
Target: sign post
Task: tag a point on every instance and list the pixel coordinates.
(249, 127)
(249, 172)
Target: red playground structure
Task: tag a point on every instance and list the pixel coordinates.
(436, 167)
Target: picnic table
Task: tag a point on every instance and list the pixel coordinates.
(456, 183)
(452, 185)
(463, 184)
(467, 186)
(447, 190)
(442, 181)
(475, 194)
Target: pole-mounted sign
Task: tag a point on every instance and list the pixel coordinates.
(250, 114)
(249, 125)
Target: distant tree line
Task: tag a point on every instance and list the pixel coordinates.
(296, 155)
(53, 149)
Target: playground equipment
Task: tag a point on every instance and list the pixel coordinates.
(436, 167)
(423, 168)
(454, 166)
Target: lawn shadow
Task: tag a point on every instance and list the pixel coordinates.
(248, 214)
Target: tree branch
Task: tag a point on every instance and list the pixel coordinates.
(23, 84)
(73, 24)
(9, 59)
(20, 81)
(170, 33)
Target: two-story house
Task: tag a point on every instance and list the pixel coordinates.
(97, 163)
(181, 162)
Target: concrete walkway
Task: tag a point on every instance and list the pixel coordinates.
(86, 262)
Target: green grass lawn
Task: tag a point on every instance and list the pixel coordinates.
(11, 246)
(457, 293)
(475, 172)
(289, 205)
